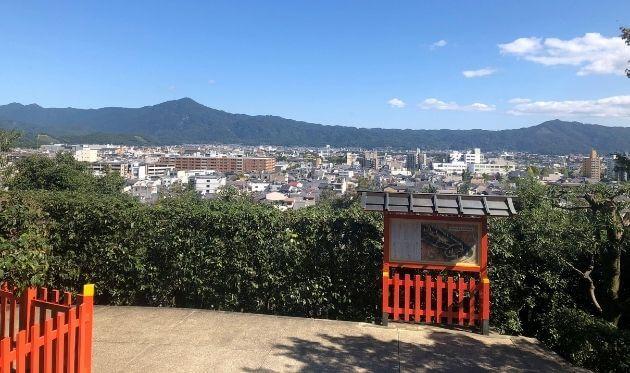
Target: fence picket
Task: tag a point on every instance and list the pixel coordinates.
(59, 348)
(471, 302)
(449, 301)
(438, 297)
(3, 318)
(407, 295)
(427, 301)
(396, 296)
(386, 281)
(5, 352)
(35, 347)
(48, 346)
(72, 320)
(20, 351)
(12, 309)
(460, 301)
(416, 299)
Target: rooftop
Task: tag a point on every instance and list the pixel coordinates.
(441, 204)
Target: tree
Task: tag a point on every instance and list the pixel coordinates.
(23, 240)
(429, 188)
(622, 164)
(365, 183)
(63, 172)
(607, 208)
(625, 35)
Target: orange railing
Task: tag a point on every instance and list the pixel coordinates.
(436, 299)
(46, 331)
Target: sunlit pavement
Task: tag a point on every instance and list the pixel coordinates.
(143, 339)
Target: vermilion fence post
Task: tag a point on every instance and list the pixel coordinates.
(438, 299)
(485, 306)
(86, 315)
(407, 295)
(26, 308)
(396, 296)
(385, 295)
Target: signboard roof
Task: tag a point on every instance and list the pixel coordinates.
(439, 204)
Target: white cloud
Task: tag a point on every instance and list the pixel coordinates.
(518, 100)
(591, 53)
(397, 103)
(439, 44)
(435, 104)
(211, 81)
(478, 73)
(521, 46)
(615, 106)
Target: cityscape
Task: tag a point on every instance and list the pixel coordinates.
(296, 177)
(314, 186)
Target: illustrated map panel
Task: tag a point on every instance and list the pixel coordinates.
(433, 242)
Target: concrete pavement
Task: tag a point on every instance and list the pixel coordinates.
(143, 339)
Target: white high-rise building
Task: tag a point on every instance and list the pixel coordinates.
(473, 157)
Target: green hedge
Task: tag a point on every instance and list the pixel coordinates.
(229, 254)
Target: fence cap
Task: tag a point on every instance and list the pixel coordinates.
(439, 204)
(88, 290)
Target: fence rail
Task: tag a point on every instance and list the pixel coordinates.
(436, 300)
(46, 331)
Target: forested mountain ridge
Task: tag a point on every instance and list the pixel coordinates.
(186, 121)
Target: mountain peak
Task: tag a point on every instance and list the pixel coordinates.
(559, 122)
(181, 101)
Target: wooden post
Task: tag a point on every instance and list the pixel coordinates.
(86, 316)
(485, 306)
(26, 309)
(484, 321)
(385, 278)
(385, 302)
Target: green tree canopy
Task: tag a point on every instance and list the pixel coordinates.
(62, 172)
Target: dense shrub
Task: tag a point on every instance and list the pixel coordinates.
(587, 341)
(229, 253)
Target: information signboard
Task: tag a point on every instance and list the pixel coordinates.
(425, 241)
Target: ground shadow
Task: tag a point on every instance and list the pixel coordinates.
(438, 352)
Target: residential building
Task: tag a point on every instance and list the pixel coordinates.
(85, 154)
(231, 164)
(592, 166)
(209, 184)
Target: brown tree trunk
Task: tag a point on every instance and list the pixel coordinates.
(612, 272)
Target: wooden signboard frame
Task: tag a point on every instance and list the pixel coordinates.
(481, 222)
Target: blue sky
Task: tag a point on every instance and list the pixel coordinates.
(360, 63)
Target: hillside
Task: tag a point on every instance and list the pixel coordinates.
(186, 121)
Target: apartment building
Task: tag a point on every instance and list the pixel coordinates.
(223, 164)
(592, 166)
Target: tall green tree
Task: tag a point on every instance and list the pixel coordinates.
(607, 208)
(24, 245)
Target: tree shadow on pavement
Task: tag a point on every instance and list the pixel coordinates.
(432, 351)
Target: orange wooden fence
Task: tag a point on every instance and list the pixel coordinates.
(436, 299)
(46, 331)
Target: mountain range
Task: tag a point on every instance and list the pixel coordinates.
(186, 121)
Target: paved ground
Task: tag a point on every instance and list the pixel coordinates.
(137, 339)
